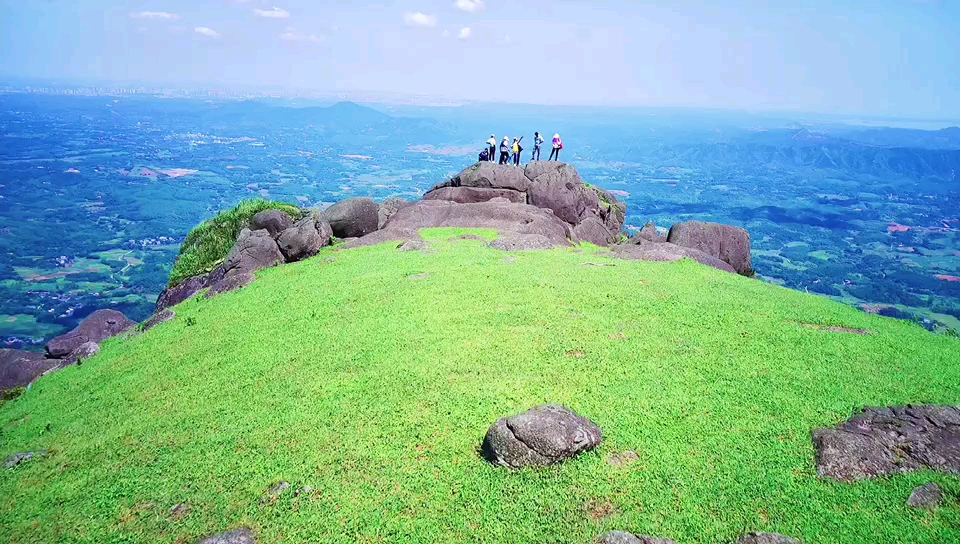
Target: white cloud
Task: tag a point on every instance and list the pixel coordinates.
(470, 6)
(291, 35)
(155, 16)
(275, 13)
(420, 19)
(465, 33)
(207, 31)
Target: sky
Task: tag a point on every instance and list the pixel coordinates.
(881, 57)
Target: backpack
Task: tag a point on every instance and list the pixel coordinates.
(504, 149)
(484, 156)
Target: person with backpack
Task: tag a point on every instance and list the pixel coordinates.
(557, 146)
(484, 155)
(537, 140)
(505, 150)
(516, 151)
(492, 147)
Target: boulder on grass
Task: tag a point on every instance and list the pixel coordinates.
(728, 243)
(254, 250)
(237, 536)
(883, 441)
(926, 496)
(649, 233)
(613, 213)
(667, 252)
(353, 218)
(304, 239)
(273, 221)
(160, 316)
(621, 537)
(97, 327)
(521, 242)
(188, 288)
(387, 209)
(544, 435)
(231, 282)
(388, 234)
(767, 538)
(594, 231)
(505, 217)
(20, 368)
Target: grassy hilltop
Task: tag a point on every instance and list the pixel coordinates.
(371, 375)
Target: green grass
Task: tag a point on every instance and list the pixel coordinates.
(356, 375)
(207, 245)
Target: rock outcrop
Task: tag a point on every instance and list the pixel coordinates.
(237, 536)
(544, 435)
(272, 221)
(728, 243)
(20, 368)
(96, 328)
(926, 496)
(767, 538)
(882, 441)
(353, 217)
(621, 537)
(387, 209)
(304, 239)
(667, 252)
(472, 195)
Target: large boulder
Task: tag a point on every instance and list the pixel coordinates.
(621, 537)
(304, 239)
(926, 496)
(728, 243)
(543, 435)
(353, 217)
(254, 250)
(594, 231)
(767, 538)
(490, 176)
(560, 189)
(882, 441)
(505, 217)
(612, 212)
(96, 328)
(171, 296)
(387, 209)
(667, 252)
(20, 368)
(522, 242)
(470, 195)
(388, 234)
(649, 233)
(272, 221)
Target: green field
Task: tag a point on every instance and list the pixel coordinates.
(371, 376)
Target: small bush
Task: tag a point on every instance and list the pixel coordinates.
(207, 245)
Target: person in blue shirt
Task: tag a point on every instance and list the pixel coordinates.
(537, 140)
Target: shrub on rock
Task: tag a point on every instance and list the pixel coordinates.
(353, 217)
(543, 435)
(728, 243)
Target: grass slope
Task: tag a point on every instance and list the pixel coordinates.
(356, 375)
(210, 242)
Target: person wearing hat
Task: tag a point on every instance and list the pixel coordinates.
(492, 145)
(557, 146)
(516, 151)
(505, 150)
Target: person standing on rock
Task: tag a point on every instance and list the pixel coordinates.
(537, 140)
(557, 146)
(492, 145)
(517, 149)
(505, 150)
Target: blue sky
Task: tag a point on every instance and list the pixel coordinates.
(884, 57)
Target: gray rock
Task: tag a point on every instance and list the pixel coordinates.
(594, 231)
(97, 327)
(767, 538)
(926, 496)
(21, 458)
(882, 441)
(388, 234)
(667, 252)
(231, 282)
(728, 243)
(621, 537)
(254, 250)
(304, 239)
(387, 209)
(649, 233)
(490, 175)
(413, 245)
(157, 318)
(472, 195)
(171, 296)
(273, 221)
(237, 536)
(544, 435)
(561, 190)
(612, 212)
(502, 216)
(522, 242)
(353, 218)
(274, 492)
(20, 368)
(85, 351)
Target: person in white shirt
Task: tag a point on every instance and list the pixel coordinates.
(492, 144)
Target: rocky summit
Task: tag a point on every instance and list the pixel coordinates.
(498, 361)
